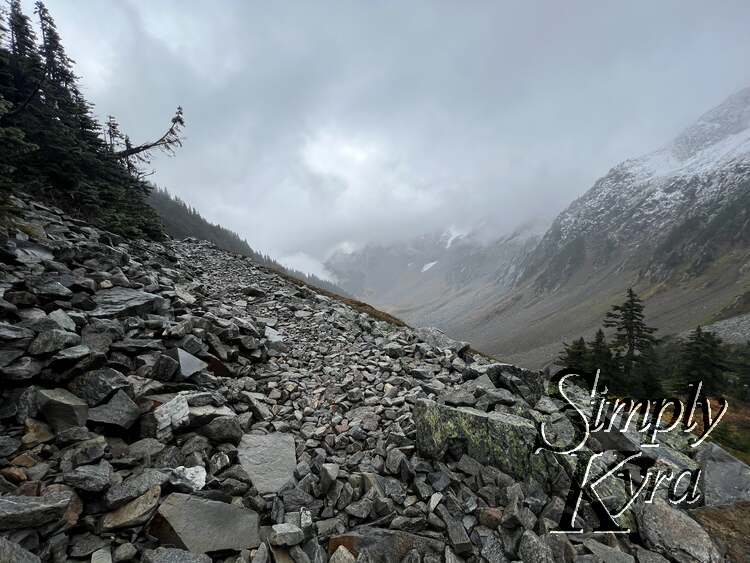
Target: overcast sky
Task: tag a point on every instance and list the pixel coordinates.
(319, 125)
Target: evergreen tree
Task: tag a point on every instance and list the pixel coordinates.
(51, 143)
(575, 355)
(632, 337)
(703, 360)
(600, 358)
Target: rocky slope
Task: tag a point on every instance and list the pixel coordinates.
(177, 403)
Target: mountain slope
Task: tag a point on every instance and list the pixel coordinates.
(674, 224)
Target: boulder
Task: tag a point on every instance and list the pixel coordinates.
(123, 302)
(27, 512)
(726, 479)
(120, 411)
(61, 408)
(187, 364)
(97, 386)
(674, 534)
(202, 526)
(134, 513)
(51, 341)
(269, 460)
(496, 438)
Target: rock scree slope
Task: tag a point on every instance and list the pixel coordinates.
(172, 402)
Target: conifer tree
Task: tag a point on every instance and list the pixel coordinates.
(633, 337)
(600, 358)
(574, 355)
(703, 360)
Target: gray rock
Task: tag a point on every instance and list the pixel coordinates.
(134, 486)
(24, 369)
(97, 386)
(120, 411)
(63, 320)
(533, 550)
(223, 429)
(51, 341)
(14, 553)
(268, 459)
(8, 446)
(123, 302)
(173, 555)
(606, 553)
(674, 534)
(500, 439)
(285, 535)
(134, 513)
(89, 478)
(188, 365)
(725, 479)
(28, 512)
(202, 526)
(61, 408)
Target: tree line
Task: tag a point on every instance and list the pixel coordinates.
(51, 144)
(634, 362)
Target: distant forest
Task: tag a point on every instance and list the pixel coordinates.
(181, 221)
(53, 147)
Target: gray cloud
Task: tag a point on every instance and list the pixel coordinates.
(320, 124)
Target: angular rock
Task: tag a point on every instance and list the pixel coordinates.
(203, 526)
(14, 553)
(51, 341)
(97, 386)
(134, 513)
(61, 408)
(725, 479)
(120, 411)
(134, 486)
(28, 512)
(285, 535)
(268, 459)
(223, 429)
(188, 365)
(123, 302)
(503, 440)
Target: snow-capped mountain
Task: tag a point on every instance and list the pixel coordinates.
(668, 209)
(674, 224)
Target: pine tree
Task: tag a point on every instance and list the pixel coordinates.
(600, 358)
(703, 360)
(575, 355)
(632, 336)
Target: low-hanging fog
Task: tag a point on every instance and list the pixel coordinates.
(321, 125)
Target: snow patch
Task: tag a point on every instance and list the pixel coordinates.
(428, 266)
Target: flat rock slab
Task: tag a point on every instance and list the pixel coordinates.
(27, 512)
(123, 301)
(134, 513)
(203, 526)
(268, 459)
(500, 439)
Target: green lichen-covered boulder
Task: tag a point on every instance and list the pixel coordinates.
(503, 440)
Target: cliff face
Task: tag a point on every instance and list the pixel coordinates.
(176, 402)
